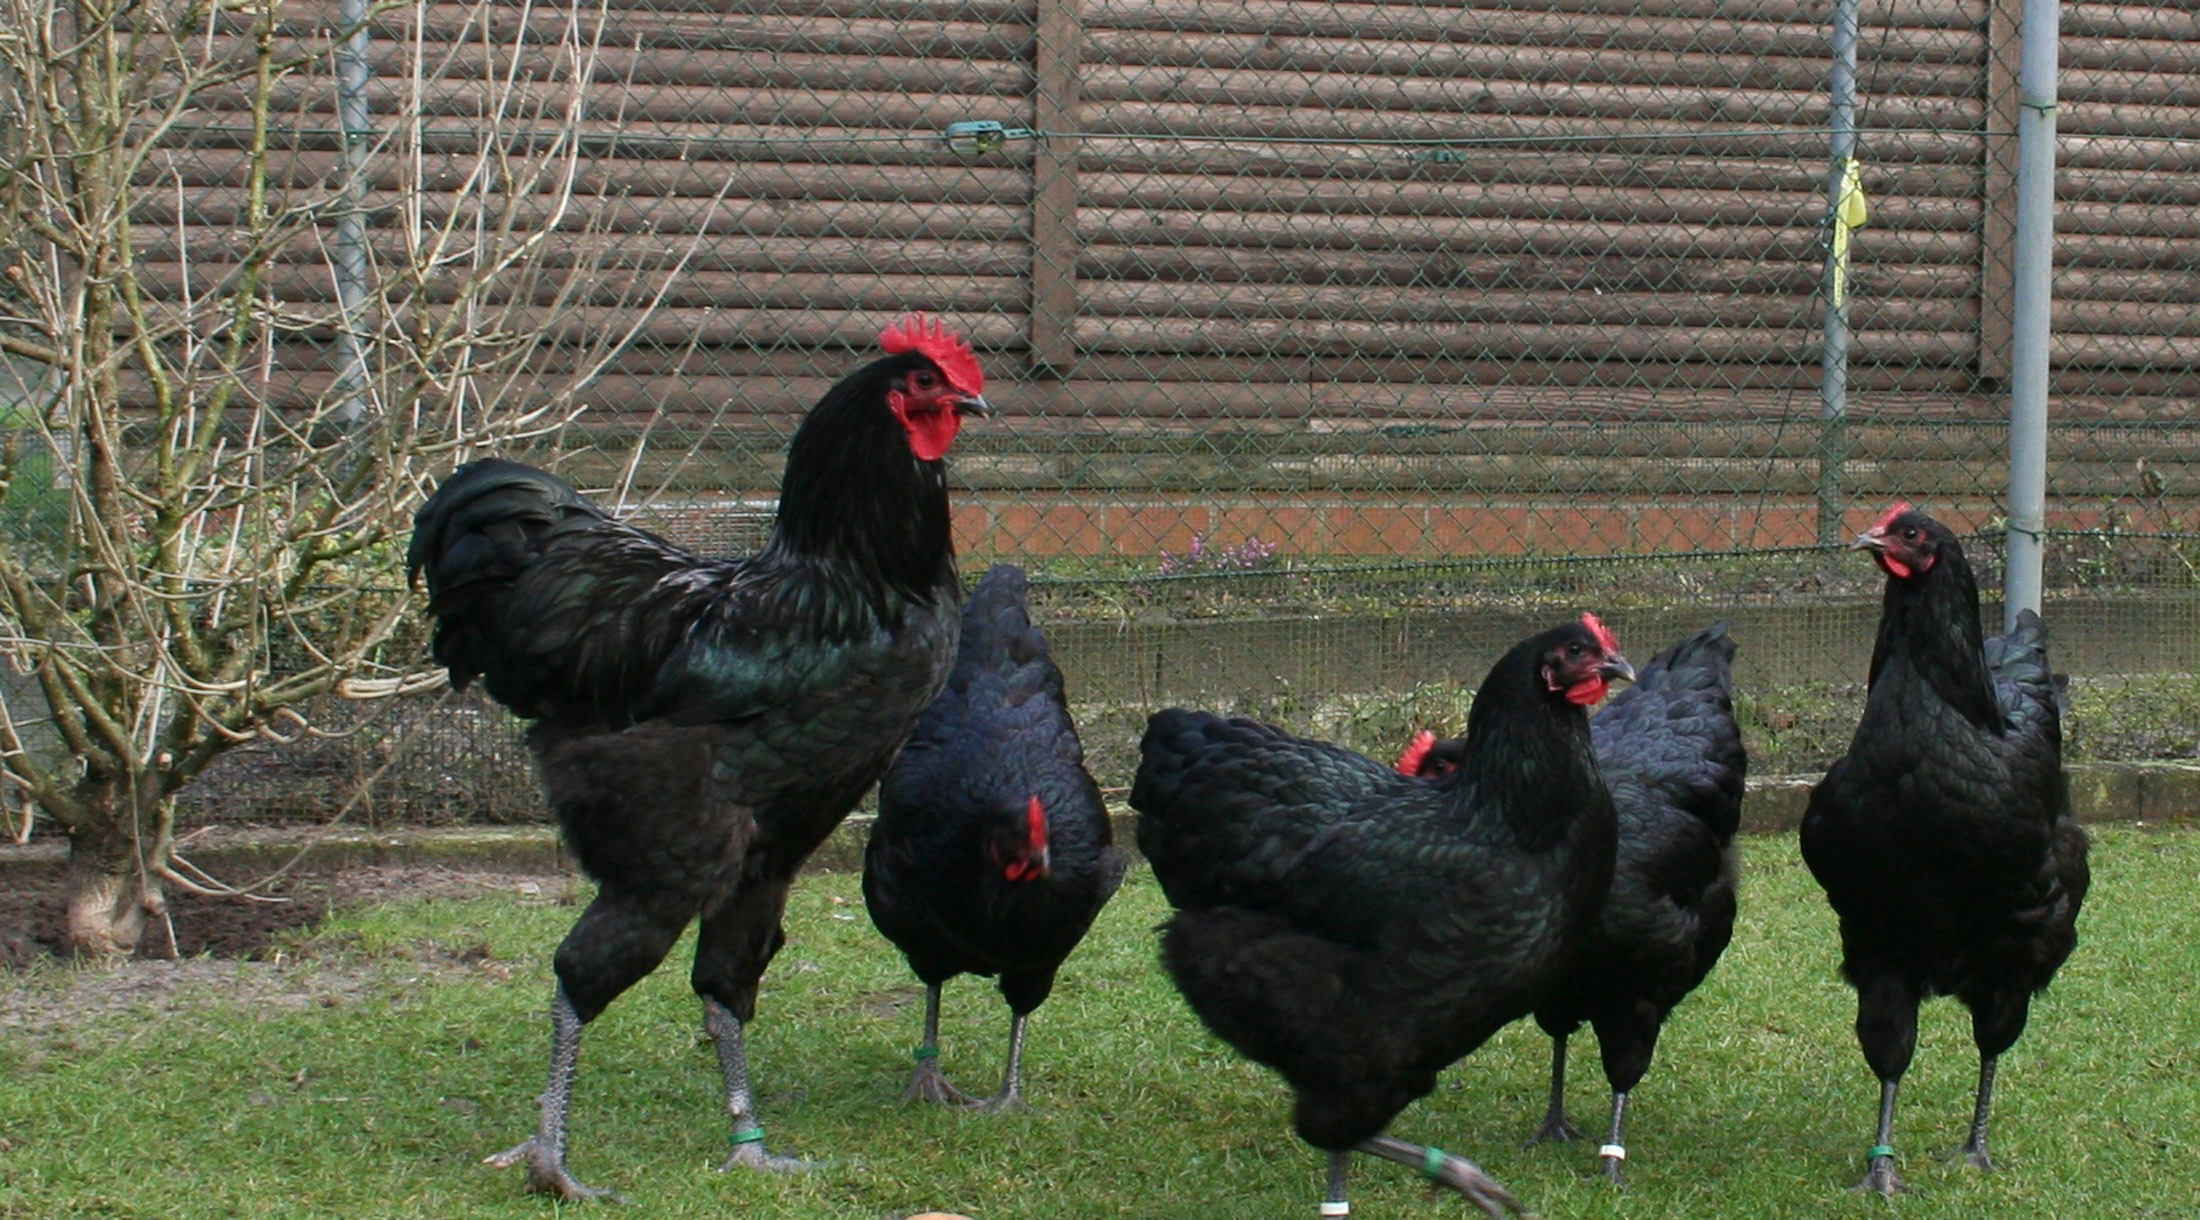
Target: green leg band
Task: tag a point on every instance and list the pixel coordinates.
(1879, 1150)
(923, 1053)
(1432, 1162)
(750, 1136)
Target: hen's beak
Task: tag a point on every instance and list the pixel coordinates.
(1616, 669)
(1871, 540)
(974, 404)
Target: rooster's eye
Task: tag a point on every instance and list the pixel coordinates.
(924, 380)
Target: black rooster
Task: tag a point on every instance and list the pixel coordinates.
(700, 725)
(991, 853)
(1358, 930)
(1944, 838)
(1671, 754)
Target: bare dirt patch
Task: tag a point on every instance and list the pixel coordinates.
(232, 947)
(32, 898)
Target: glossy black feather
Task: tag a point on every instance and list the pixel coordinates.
(1671, 753)
(1943, 837)
(1359, 930)
(701, 724)
(999, 735)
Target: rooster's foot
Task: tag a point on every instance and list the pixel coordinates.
(1614, 1169)
(1976, 1156)
(546, 1172)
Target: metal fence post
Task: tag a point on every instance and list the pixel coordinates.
(2032, 329)
(1833, 383)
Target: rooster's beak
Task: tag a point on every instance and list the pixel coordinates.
(1616, 669)
(1869, 541)
(974, 404)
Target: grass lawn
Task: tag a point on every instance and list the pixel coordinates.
(368, 1073)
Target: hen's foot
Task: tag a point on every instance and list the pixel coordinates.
(546, 1172)
(1556, 1129)
(1614, 1167)
(751, 1155)
(930, 1084)
(1002, 1103)
(1976, 1156)
(1445, 1169)
(1880, 1179)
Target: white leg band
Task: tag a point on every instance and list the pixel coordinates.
(1336, 1207)
(1614, 1151)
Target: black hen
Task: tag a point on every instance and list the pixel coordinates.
(992, 853)
(700, 725)
(1671, 754)
(1358, 930)
(1944, 838)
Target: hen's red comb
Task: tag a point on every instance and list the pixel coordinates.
(1605, 639)
(930, 337)
(1416, 751)
(1887, 518)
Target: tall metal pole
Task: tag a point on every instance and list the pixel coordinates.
(352, 73)
(2032, 326)
(1833, 383)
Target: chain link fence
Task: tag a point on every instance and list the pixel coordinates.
(1338, 344)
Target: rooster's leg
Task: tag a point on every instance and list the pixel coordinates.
(1879, 1175)
(1445, 1169)
(733, 1061)
(1974, 1149)
(544, 1152)
(930, 1083)
(1556, 1126)
(1613, 1155)
(1011, 1096)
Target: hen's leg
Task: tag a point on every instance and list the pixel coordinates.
(1556, 1126)
(1334, 1201)
(736, 941)
(930, 1083)
(1974, 1149)
(1613, 1155)
(1024, 990)
(1445, 1169)
(1996, 1021)
(1011, 1096)
(615, 943)
(1886, 1027)
(1626, 1040)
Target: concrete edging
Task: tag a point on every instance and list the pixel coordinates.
(2154, 792)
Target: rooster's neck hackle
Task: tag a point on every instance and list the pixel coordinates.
(855, 495)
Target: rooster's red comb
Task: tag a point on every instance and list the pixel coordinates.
(1416, 752)
(1605, 639)
(931, 338)
(1887, 518)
